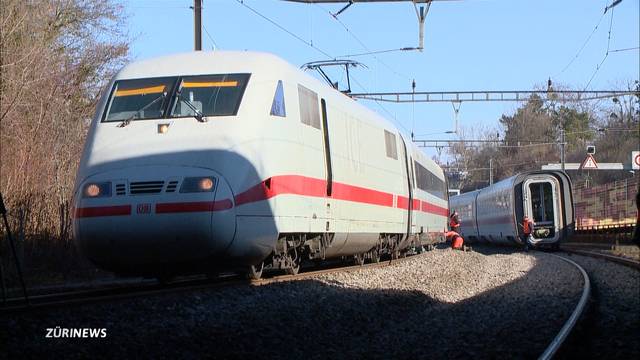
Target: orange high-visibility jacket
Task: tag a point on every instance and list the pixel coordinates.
(454, 222)
(527, 226)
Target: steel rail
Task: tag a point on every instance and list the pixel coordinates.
(598, 255)
(82, 297)
(557, 342)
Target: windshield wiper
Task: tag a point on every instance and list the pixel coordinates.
(127, 121)
(198, 114)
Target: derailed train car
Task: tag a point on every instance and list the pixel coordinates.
(237, 159)
(493, 214)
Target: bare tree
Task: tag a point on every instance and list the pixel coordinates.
(56, 55)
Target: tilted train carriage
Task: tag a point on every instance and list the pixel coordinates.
(493, 214)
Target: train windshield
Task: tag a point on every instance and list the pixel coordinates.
(139, 99)
(209, 95)
(542, 202)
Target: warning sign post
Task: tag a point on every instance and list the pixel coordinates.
(589, 163)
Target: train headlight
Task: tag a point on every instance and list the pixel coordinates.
(94, 190)
(163, 128)
(197, 184)
(205, 184)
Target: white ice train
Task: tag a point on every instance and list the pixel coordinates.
(493, 214)
(211, 160)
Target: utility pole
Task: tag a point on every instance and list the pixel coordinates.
(490, 171)
(197, 21)
(562, 148)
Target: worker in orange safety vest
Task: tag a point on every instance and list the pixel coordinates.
(527, 230)
(454, 222)
(457, 241)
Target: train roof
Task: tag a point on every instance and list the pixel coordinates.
(264, 65)
(204, 62)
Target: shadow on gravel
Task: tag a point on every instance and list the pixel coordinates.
(310, 319)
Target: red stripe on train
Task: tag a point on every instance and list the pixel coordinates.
(416, 204)
(434, 209)
(302, 185)
(306, 186)
(361, 195)
(197, 206)
(403, 202)
(103, 211)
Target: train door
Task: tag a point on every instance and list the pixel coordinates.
(415, 227)
(541, 205)
(408, 172)
(327, 161)
(312, 158)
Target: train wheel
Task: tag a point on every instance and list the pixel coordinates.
(293, 270)
(359, 259)
(255, 271)
(293, 262)
(375, 256)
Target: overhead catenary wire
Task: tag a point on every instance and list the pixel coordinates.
(299, 38)
(487, 146)
(365, 47)
(216, 47)
(373, 53)
(391, 116)
(379, 52)
(273, 22)
(457, 168)
(606, 53)
(625, 49)
(582, 47)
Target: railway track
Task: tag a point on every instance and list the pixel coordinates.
(73, 298)
(569, 325)
(581, 306)
(599, 255)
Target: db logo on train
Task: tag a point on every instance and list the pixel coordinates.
(143, 209)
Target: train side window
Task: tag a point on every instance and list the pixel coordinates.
(308, 100)
(390, 144)
(429, 182)
(277, 106)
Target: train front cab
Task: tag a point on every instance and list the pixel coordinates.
(544, 200)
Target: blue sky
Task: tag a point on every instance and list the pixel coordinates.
(469, 45)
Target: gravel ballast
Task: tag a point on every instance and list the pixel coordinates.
(611, 327)
(489, 303)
